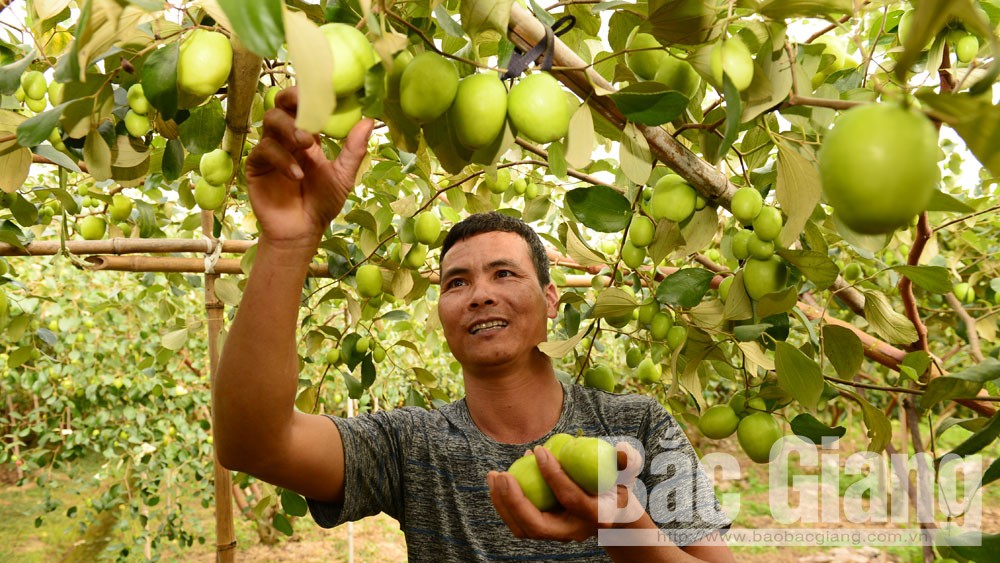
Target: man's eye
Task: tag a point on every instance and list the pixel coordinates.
(505, 273)
(455, 283)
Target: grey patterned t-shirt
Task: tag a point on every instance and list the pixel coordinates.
(427, 469)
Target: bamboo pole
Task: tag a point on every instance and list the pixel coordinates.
(243, 79)
(125, 246)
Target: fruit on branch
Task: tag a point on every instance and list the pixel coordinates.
(120, 208)
(660, 326)
(538, 108)
(479, 111)
(427, 228)
(641, 231)
(37, 106)
(216, 167)
(732, 58)
(878, 167)
(964, 292)
(206, 57)
(645, 55)
(632, 255)
(209, 196)
(137, 99)
(740, 244)
(269, 96)
(428, 87)
(648, 372)
(346, 115)
(601, 377)
(678, 75)
(33, 84)
(724, 286)
(416, 256)
(966, 48)
(136, 124)
(759, 249)
(56, 92)
(500, 183)
(352, 54)
(673, 199)
(676, 337)
(853, 272)
(746, 204)
(761, 277)
(767, 225)
(757, 433)
(718, 422)
(369, 278)
(92, 227)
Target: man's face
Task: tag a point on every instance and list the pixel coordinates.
(492, 307)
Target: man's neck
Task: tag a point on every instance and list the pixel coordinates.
(515, 407)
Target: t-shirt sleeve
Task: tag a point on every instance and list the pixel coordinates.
(374, 445)
(681, 499)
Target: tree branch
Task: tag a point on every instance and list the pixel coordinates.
(906, 286)
(970, 326)
(570, 171)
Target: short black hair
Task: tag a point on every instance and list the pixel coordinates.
(495, 221)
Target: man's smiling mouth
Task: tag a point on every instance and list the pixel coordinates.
(488, 325)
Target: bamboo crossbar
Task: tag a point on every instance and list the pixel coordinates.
(124, 246)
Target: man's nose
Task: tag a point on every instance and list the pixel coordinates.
(482, 294)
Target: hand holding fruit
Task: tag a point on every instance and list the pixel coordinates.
(294, 189)
(578, 517)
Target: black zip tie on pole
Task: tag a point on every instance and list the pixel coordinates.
(520, 61)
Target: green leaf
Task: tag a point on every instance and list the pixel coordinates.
(425, 377)
(808, 427)
(798, 374)
(159, 79)
(685, 287)
(580, 138)
(844, 350)
(879, 427)
(634, 155)
(738, 305)
(599, 208)
(173, 160)
(650, 103)
(97, 155)
(59, 158)
(992, 473)
(798, 190)
(976, 546)
(784, 9)
(354, 387)
(24, 211)
(228, 291)
(734, 112)
(281, 523)
(746, 333)
(447, 23)
(260, 28)
(889, 324)
(175, 340)
(976, 120)
(10, 74)
(309, 53)
(935, 279)
(816, 266)
(483, 16)
(777, 302)
(306, 401)
(293, 503)
(557, 159)
(685, 22)
(941, 201)
(614, 302)
(960, 385)
(560, 348)
(980, 439)
(36, 130)
(202, 131)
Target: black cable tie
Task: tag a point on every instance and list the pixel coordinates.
(520, 61)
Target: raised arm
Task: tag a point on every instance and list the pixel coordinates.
(295, 192)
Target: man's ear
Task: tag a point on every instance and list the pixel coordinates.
(551, 300)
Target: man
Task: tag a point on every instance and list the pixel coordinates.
(440, 473)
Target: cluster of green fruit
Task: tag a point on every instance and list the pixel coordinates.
(648, 59)
(520, 185)
(764, 271)
(137, 119)
(94, 227)
(757, 430)
(426, 231)
(671, 198)
(33, 89)
(216, 168)
(590, 462)
(352, 55)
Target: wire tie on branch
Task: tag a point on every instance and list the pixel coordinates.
(225, 547)
(212, 253)
(520, 61)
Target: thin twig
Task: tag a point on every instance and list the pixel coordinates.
(906, 286)
(970, 326)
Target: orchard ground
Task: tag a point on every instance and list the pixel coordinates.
(378, 538)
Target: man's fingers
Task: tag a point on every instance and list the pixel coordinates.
(288, 99)
(280, 124)
(355, 148)
(270, 155)
(567, 492)
(629, 462)
(500, 493)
